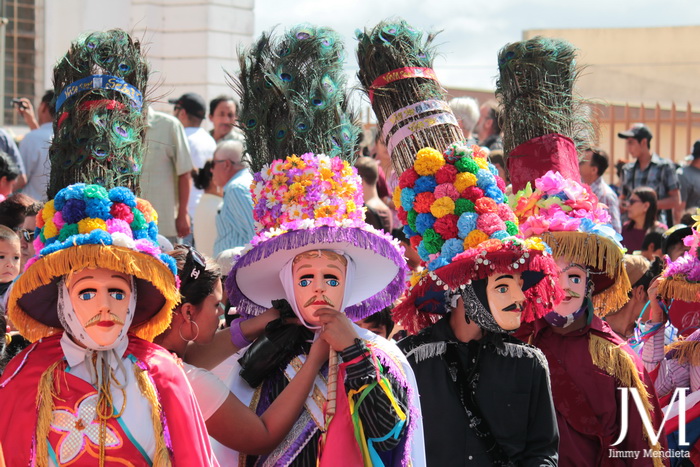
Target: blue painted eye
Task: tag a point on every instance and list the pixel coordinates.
(86, 295)
(304, 282)
(502, 289)
(333, 283)
(118, 295)
(576, 280)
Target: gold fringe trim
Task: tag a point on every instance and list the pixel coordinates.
(619, 364)
(161, 457)
(76, 258)
(686, 351)
(45, 402)
(599, 253)
(676, 288)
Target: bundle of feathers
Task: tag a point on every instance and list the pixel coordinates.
(98, 134)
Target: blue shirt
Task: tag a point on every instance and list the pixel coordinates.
(234, 222)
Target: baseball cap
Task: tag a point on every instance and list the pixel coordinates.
(192, 103)
(638, 131)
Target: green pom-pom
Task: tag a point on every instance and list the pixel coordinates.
(411, 217)
(95, 191)
(139, 222)
(511, 228)
(433, 241)
(68, 230)
(467, 164)
(463, 205)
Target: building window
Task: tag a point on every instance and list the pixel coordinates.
(20, 55)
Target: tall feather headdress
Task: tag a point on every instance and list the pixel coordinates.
(293, 97)
(449, 196)
(99, 126)
(396, 72)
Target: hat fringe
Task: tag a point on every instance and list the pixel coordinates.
(598, 253)
(62, 262)
(685, 351)
(673, 288)
(617, 363)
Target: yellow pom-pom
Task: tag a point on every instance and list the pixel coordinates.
(481, 163)
(464, 180)
(85, 226)
(534, 243)
(397, 197)
(50, 229)
(442, 207)
(350, 206)
(428, 161)
(48, 211)
(474, 238)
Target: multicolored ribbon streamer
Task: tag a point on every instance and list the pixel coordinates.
(400, 73)
(420, 125)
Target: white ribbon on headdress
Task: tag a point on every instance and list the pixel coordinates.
(107, 356)
(287, 279)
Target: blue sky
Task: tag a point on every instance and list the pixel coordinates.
(474, 31)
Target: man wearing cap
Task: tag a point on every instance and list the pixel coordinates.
(689, 177)
(650, 170)
(190, 109)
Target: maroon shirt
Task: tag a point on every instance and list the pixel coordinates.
(587, 400)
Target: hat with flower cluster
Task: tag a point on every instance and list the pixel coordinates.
(302, 200)
(312, 202)
(456, 217)
(86, 226)
(681, 278)
(567, 215)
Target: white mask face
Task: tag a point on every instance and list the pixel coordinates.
(504, 293)
(102, 303)
(572, 279)
(319, 282)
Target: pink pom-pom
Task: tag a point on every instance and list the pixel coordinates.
(489, 223)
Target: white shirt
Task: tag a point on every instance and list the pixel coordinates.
(137, 414)
(204, 222)
(209, 390)
(202, 147)
(34, 149)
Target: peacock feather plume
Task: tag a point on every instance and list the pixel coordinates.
(99, 130)
(536, 91)
(394, 45)
(293, 98)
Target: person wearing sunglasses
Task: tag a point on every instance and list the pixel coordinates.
(195, 321)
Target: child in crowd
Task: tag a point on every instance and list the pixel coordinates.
(9, 260)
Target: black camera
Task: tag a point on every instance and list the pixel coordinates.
(19, 103)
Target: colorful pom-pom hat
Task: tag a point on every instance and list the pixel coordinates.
(455, 214)
(681, 278)
(568, 217)
(312, 202)
(85, 226)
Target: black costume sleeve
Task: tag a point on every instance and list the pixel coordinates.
(376, 411)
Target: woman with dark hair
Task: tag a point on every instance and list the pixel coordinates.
(9, 171)
(642, 212)
(195, 320)
(207, 207)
